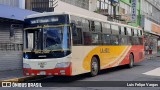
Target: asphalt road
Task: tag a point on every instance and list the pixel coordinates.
(148, 70)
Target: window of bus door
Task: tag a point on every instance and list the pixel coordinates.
(32, 39)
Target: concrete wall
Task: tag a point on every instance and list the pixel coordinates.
(92, 5)
(65, 7)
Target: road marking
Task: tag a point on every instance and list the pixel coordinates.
(154, 72)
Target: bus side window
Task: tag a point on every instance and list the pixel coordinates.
(115, 29)
(115, 40)
(85, 25)
(132, 32)
(135, 32)
(125, 31)
(106, 39)
(77, 39)
(138, 34)
(141, 32)
(92, 26)
(106, 28)
(129, 31)
(98, 27)
(120, 32)
(123, 40)
(96, 39)
(87, 38)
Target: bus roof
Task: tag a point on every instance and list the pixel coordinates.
(87, 17)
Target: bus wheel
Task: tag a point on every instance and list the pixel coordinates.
(94, 67)
(131, 59)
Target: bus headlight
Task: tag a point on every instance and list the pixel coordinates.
(62, 65)
(26, 65)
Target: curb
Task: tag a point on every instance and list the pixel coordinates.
(22, 79)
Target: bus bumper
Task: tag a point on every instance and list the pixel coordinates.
(49, 72)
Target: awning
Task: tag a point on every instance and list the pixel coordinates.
(14, 13)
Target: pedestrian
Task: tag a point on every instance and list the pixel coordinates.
(146, 49)
(150, 51)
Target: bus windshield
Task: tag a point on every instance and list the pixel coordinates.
(53, 38)
(47, 38)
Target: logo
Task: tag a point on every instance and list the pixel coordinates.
(42, 64)
(6, 84)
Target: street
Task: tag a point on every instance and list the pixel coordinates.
(148, 70)
(144, 71)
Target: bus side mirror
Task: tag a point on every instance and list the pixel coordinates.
(74, 29)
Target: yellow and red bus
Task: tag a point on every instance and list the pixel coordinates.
(68, 44)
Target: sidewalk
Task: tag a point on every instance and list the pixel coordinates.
(148, 57)
(16, 76)
(10, 74)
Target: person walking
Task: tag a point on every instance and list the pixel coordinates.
(150, 51)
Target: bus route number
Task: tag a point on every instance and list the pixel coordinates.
(104, 50)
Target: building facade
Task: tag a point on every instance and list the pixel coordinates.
(11, 36)
(150, 11)
(49, 5)
(14, 3)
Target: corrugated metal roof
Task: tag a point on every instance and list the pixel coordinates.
(14, 13)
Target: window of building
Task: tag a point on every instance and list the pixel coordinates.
(104, 7)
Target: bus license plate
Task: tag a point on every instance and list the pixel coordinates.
(42, 73)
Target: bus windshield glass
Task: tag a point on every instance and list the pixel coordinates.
(47, 38)
(53, 38)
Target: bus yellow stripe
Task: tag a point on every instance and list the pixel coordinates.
(114, 55)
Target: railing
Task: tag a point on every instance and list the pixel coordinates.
(11, 47)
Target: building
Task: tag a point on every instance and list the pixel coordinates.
(11, 36)
(49, 5)
(14, 3)
(147, 16)
(119, 11)
(150, 11)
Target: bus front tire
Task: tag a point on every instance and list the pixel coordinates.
(94, 67)
(131, 61)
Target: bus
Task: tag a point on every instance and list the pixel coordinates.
(68, 44)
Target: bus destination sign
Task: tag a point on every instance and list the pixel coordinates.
(44, 20)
